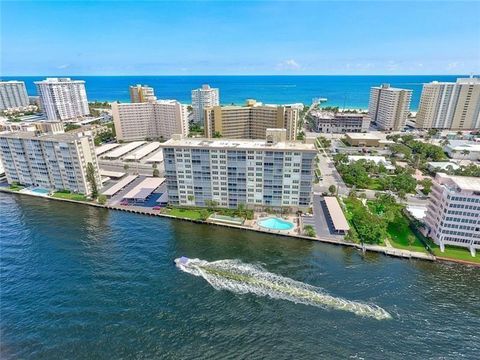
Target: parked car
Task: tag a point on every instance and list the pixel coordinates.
(157, 207)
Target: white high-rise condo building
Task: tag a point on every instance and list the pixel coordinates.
(389, 107)
(255, 173)
(63, 98)
(250, 121)
(141, 93)
(149, 120)
(450, 105)
(13, 95)
(453, 213)
(203, 98)
(54, 162)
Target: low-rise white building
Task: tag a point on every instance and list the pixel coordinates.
(453, 213)
(53, 162)
(463, 150)
(378, 160)
(338, 123)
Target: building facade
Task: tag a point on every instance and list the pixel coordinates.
(13, 95)
(203, 98)
(453, 213)
(232, 172)
(151, 120)
(339, 123)
(250, 121)
(141, 94)
(389, 107)
(450, 105)
(55, 162)
(62, 98)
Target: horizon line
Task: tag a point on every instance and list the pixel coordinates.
(239, 75)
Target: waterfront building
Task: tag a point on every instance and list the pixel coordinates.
(141, 94)
(53, 162)
(203, 98)
(450, 105)
(62, 98)
(389, 107)
(149, 120)
(338, 123)
(250, 121)
(13, 95)
(255, 173)
(453, 212)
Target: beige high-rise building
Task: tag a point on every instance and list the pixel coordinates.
(53, 162)
(141, 94)
(149, 120)
(250, 121)
(389, 107)
(450, 105)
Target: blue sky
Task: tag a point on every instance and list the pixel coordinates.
(245, 37)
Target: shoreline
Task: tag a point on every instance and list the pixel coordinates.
(393, 252)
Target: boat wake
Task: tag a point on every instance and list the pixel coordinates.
(241, 278)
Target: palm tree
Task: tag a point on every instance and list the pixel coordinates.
(464, 153)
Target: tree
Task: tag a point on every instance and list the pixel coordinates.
(217, 134)
(309, 231)
(126, 167)
(156, 173)
(332, 189)
(427, 185)
(91, 178)
(190, 197)
(102, 199)
(411, 239)
(464, 153)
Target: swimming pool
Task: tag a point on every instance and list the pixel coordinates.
(40, 191)
(274, 223)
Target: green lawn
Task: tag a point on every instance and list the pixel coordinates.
(454, 252)
(69, 196)
(185, 213)
(14, 187)
(399, 233)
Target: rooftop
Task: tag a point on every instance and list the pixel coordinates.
(46, 137)
(459, 145)
(362, 136)
(463, 182)
(238, 144)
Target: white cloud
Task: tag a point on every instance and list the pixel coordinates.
(290, 64)
(453, 65)
(392, 66)
(64, 66)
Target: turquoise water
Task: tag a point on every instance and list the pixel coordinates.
(274, 223)
(79, 282)
(343, 91)
(40, 191)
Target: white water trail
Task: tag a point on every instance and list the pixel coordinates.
(241, 278)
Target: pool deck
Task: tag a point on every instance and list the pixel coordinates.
(250, 225)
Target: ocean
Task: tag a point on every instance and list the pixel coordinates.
(78, 282)
(343, 91)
